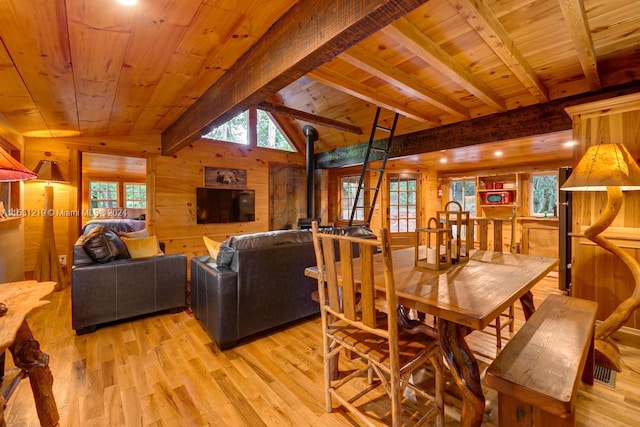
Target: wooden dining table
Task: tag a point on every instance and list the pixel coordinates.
(464, 297)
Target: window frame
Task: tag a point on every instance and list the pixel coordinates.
(474, 197)
(252, 132)
(354, 180)
(127, 199)
(103, 181)
(416, 191)
(531, 197)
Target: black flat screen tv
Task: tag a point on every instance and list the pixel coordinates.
(222, 205)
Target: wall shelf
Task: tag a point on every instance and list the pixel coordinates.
(494, 186)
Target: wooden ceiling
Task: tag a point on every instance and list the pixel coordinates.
(97, 68)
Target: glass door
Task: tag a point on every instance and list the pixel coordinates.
(403, 208)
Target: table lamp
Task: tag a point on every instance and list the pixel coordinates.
(610, 168)
(47, 263)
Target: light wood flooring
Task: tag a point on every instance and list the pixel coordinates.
(165, 371)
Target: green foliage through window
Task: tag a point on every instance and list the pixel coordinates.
(236, 130)
(135, 196)
(464, 192)
(403, 204)
(103, 194)
(269, 136)
(349, 187)
(544, 194)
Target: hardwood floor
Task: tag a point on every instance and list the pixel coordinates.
(165, 371)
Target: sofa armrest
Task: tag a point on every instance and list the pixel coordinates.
(214, 300)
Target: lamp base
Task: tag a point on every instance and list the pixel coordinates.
(607, 353)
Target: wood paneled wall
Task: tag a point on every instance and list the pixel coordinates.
(176, 178)
(596, 274)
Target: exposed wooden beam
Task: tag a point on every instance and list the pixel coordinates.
(311, 33)
(576, 18)
(523, 122)
(359, 90)
(283, 110)
(371, 63)
(422, 46)
(486, 24)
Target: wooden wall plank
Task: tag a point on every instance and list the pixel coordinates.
(45, 63)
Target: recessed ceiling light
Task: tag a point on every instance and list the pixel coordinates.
(443, 160)
(570, 143)
(127, 2)
(498, 153)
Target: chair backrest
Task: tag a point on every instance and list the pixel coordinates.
(482, 227)
(353, 297)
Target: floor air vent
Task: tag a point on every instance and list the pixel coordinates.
(605, 376)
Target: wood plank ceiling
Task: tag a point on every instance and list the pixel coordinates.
(98, 68)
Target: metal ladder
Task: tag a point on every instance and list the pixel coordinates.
(372, 192)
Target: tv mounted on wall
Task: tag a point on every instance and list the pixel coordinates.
(222, 205)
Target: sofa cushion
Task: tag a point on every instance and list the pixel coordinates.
(212, 246)
(143, 247)
(135, 234)
(103, 244)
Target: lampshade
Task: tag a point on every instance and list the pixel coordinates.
(49, 170)
(12, 170)
(602, 166)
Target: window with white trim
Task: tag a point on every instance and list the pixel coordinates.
(103, 194)
(135, 196)
(348, 189)
(403, 204)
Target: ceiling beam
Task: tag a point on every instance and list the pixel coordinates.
(311, 33)
(283, 110)
(523, 122)
(486, 24)
(412, 38)
(576, 19)
(359, 90)
(370, 62)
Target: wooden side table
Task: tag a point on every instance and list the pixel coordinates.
(21, 299)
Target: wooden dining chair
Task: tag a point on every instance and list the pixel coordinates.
(505, 319)
(355, 320)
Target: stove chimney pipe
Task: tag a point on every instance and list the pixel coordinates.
(312, 136)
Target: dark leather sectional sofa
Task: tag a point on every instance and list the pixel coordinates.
(122, 288)
(256, 283)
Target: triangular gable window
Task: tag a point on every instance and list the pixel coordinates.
(267, 133)
(235, 130)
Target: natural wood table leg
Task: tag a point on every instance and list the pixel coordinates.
(527, 304)
(465, 371)
(27, 356)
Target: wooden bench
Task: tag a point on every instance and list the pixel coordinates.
(538, 372)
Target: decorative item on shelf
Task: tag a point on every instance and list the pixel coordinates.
(436, 253)
(457, 221)
(47, 263)
(610, 168)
